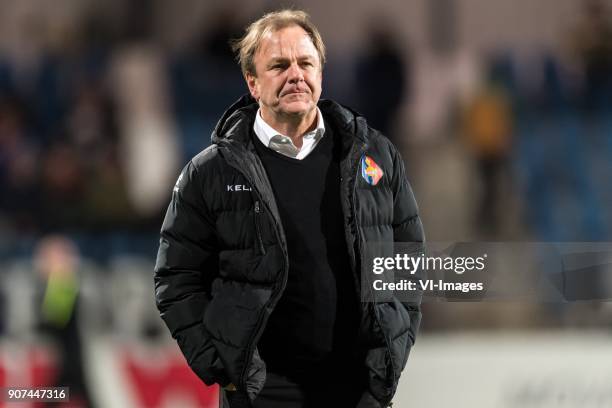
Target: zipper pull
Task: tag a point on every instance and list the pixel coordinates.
(262, 248)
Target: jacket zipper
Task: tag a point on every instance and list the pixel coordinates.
(262, 248)
(279, 288)
(271, 302)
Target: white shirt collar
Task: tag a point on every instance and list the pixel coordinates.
(280, 143)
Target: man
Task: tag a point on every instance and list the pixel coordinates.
(262, 248)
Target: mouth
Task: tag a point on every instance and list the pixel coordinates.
(294, 92)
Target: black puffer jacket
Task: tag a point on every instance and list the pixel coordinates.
(222, 263)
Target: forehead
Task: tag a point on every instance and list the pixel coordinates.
(287, 42)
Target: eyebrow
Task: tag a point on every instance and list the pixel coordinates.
(280, 60)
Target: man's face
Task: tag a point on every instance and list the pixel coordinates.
(289, 74)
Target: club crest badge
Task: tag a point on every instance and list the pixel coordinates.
(370, 170)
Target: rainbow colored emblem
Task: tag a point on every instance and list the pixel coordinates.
(370, 170)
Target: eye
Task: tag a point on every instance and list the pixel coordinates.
(278, 66)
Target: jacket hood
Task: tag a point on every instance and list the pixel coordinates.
(237, 120)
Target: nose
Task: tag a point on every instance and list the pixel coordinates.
(295, 73)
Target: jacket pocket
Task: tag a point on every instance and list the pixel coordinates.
(259, 238)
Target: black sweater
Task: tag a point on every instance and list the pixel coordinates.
(318, 310)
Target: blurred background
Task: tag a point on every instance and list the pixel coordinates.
(502, 110)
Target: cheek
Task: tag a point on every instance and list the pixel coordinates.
(279, 87)
(272, 86)
(315, 83)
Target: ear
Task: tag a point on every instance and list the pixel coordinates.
(251, 81)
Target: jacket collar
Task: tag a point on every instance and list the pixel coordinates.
(236, 123)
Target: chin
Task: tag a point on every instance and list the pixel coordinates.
(298, 108)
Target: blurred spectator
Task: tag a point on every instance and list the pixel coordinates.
(57, 261)
(149, 145)
(593, 44)
(93, 130)
(487, 127)
(205, 79)
(382, 79)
